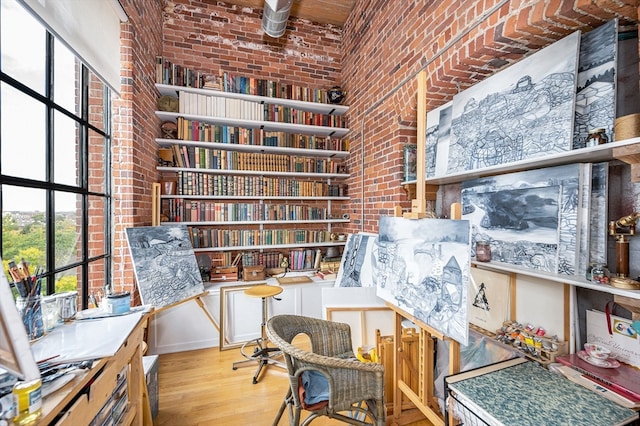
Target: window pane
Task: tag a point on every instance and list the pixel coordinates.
(66, 149)
(97, 278)
(22, 134)
(23, 225)
(97, 114)
(66, 80)
(23, 46)
(97, 231)
(97, 162)
(68, 280)
(68, 229)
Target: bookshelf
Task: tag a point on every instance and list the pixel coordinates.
(254, 175)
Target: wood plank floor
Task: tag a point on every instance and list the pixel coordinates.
(201, 388)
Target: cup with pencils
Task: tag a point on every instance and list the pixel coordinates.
(29, 300)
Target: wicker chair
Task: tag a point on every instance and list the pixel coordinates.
(356, 389)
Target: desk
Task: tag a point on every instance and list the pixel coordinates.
(78, 402)
(521, 392)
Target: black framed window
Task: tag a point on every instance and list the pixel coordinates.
(55, 139)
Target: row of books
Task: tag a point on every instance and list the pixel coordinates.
(178, 210)
(219, 106)
(220, 159)
(210, 237)
(270, 259)
(193, 183)
(168, 72)
(194, 130)
(304, 259)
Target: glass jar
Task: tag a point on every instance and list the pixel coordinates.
(483, 251)
(599, 273)
(30, 310)
(596, 137)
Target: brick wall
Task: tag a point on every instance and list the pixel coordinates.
(374, 57)
(385, 43)
(134, 130)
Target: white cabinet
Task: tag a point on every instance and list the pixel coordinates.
(186, 327)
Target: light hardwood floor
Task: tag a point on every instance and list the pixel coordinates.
(200, 388)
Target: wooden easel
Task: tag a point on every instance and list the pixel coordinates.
(155, 221)
(424, 399)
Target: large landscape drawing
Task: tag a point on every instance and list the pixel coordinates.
(525, 111)
(531, 218)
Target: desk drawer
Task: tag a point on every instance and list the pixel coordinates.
(78, 414)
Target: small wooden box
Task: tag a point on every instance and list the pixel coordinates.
(224, 273)
(253, 273)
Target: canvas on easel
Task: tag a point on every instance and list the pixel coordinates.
(164, 264)
(15, 352)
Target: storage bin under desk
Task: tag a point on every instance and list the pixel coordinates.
(521, 392)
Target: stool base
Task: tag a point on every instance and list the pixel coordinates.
(262, 354)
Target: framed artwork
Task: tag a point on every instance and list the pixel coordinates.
(356, 267)
(228, 338)
(596, 93)
(531, 218)
(410, 161)
(522, 112)
(489, 295)
(164, 264)
(437, 140)
(422, 267)
(15, 350)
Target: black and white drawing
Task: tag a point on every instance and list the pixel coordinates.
(489, 300)
(356, 266)
(598, 229)
(595, 98)
(437, 140)
(422, 267)
(164, 264)
(530, 218)
(524, 111)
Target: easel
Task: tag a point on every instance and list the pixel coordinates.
(424, 399)
(155, 221)
(198, 299)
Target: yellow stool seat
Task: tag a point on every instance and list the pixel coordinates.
(263, 290)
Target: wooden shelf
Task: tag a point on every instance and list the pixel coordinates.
(251, 197)
(255, 173)
(315, 107)
(270, 246)
(573, 280)
(306, 152)
(596, 154)
(254, 222)
(271, 126)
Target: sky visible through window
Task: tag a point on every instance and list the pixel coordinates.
(23, 119)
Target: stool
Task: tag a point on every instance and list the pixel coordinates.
(262, 354)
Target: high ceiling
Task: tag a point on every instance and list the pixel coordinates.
(321, 11)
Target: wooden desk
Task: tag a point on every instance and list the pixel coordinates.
(79, 401)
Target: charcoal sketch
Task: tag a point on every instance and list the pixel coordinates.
(356, 267)
(164, 264)
(437, 140)
(422, 267)
(595, 98)
(524, 111)
(530, 218)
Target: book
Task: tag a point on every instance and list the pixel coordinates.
(327, 274)
(625, 379)
(598, 387)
